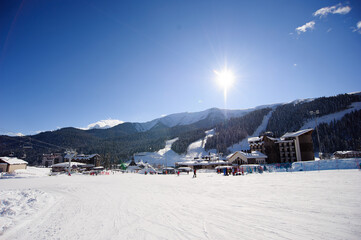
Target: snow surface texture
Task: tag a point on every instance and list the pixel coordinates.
(16, 205)
(297, 205)
(333, 116)
(244, 145)
(26, 173)
(327, 164)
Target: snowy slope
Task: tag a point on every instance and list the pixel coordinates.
(333, 116)
(243, 145)
(189, 118)
(165, 156)
(196, 149)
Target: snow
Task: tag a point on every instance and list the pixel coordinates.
(13, 160)
(162, 157)
(289, 205)
(185, 118)
(17, 206)
(333, 116)
(327, 164)
(253, 154)
(66, 164)
(196, 149)
(244, 145)
(295, 134)
(167, 156)
(103, 124)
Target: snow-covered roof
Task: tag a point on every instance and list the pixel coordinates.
(66, 164)
(69, 155)
(347, 152)
(203, 163)
(253, 154)
(85, 157)
(13, 160)
(296, 134)
(255, 139)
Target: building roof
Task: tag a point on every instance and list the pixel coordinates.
(66, 164)
(255, 139)
(296, 134)
(13, 160)
(253, 154)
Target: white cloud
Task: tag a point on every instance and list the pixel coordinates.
(329, 30)
(305, 27)
(200, 101)
(103, 124)
(163, 115)
(336, 9)
(342, 10)
(295, 64)
(358, 27)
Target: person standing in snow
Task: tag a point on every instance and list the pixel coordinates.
(194, 173)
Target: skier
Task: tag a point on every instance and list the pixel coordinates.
(195, 173)
(178, 173)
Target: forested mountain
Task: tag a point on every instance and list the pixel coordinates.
(235, 130)
(341, 135)
(290, 117)
(120, 142)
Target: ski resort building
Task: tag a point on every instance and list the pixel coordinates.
(266, 145)
(64, 166)
(93, 159)
(10, 164)
(296, 146)
(51, 159)
(291, 147)
(239, 158)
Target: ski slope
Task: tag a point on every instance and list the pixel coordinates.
(243, 145)
(197, 148)
(297, 205)
(167, 156)
(333, 116)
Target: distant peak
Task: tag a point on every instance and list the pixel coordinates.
(103, 124)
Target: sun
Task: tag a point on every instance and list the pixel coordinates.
(225, 79)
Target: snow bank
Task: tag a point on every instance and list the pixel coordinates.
(28, 172)
(327, 165)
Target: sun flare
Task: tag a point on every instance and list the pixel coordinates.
(225, 79)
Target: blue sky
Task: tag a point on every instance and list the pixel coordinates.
(72, 63)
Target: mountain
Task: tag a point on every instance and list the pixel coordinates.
(212, 114)
(338, 130)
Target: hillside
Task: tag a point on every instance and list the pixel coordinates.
(338, 124)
